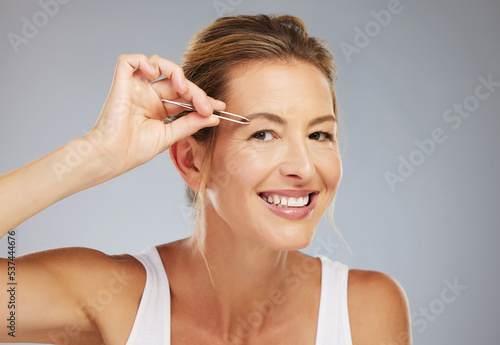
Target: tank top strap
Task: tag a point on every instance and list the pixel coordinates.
(152, 322)
(333, 319)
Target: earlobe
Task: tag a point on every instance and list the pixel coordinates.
(185, 155)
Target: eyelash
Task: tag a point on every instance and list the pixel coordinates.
(328, 136)
(265, 131)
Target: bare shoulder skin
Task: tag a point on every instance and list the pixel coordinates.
(75, 296)
(287, 156)
(378, 309)
(82, 296)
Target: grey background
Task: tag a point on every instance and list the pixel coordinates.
(438, 226)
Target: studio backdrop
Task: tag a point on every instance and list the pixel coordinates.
(419, 93)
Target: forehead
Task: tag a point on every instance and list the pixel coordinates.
(286, 88)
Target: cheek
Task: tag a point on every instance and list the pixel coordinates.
(245, 163)
(239, 168)
(330, 170)
(251, 165)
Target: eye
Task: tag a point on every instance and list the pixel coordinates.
(321, 136)
(263, 135)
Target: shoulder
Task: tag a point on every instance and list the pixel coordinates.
(74, 262)
(96, 293)
(86, 274)
(378, 309)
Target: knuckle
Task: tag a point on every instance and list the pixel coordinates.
(128, 57)
(141, 57)
(201, 94)
(181, 71)
(122, 57)
(154, 57)
(175, 72)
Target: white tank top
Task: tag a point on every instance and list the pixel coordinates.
(152, 322)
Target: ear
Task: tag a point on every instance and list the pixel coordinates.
(187, 156)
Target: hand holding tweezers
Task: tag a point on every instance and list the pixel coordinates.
(219, 113)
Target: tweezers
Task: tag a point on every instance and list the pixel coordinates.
(218, 113)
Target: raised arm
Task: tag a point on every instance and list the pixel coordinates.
(55, 291)
(128, 133)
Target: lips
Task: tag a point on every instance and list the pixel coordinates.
(290, 204)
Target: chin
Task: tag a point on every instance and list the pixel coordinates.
(292, 239)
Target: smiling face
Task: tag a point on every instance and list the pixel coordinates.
(271, 181)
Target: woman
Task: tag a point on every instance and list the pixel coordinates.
(260, 191)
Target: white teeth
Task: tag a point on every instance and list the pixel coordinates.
(276, 199)
(287, 202)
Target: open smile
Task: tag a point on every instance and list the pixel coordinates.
(290, 204)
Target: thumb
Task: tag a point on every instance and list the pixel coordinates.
(187, 125)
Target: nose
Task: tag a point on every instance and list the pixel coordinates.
(297, 162)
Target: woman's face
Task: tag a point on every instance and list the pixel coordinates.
(272, 180)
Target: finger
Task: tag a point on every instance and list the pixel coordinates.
(128, 63)
(217, 104)
(166, 90)
(204, 104)
(199, 99)
(186, 126)
(171, 71)
(188, 90)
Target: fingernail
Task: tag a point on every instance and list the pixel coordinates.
(215, 120)
(220, 103)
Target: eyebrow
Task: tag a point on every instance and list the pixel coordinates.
(281, 121)
(267, 116)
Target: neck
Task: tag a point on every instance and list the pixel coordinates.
(239, 271)
(248, 289)
(244, 284)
